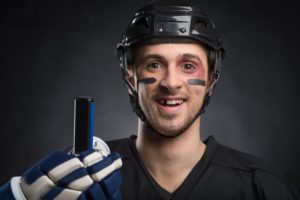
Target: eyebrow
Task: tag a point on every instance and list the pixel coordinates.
(191, 56)
(159, 57)
(150, 56)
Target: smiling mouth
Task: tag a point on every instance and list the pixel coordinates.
(170, 102)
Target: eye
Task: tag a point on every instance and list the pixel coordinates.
(154, 66)
(188, 67)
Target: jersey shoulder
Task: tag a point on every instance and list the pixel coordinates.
(270, 179)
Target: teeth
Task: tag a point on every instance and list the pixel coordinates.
(171, 102)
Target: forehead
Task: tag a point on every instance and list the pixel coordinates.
(171, 51)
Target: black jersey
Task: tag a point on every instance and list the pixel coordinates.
(221, 174)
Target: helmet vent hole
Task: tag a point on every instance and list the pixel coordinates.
(142, 21)
(200, 25)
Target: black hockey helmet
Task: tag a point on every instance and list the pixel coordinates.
(163, 21)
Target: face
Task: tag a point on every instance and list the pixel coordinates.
(170, 80)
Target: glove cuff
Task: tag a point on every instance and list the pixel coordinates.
(16, 189)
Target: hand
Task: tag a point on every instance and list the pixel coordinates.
(61, 175)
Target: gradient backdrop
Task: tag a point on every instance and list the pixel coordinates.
(52, 51)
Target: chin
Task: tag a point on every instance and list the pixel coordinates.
(168, 132)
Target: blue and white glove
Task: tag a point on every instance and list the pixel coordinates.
(91, 175)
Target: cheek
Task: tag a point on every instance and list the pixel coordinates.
(199, 74)
(197, 77)
(145, 87)
(145, 95)
(198, 91)
(142, 95)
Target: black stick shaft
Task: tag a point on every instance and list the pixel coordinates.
(83, 123)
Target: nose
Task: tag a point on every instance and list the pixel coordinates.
(171, 81)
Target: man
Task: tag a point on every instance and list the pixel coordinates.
(170, 58)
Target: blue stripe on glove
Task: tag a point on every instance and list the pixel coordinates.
(78, 173)
(53, 193)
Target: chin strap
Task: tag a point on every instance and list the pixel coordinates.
(207, 96)
(133, 95)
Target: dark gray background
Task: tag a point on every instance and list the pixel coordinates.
(52, 51)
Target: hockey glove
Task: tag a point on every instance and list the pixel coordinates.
(91, 175)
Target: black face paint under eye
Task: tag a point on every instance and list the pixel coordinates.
(147, 80)
(196, 82)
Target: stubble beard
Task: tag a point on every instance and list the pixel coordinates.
(174, 130)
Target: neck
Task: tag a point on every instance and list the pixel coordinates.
(170, 160)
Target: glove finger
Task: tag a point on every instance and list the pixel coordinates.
(90, 157)
(59, 164)
(45, 166)
(111, 183)
(95, 192)
(36, 184)
(78, 180)
(54, 159)
(58, 193)
(101, 169)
